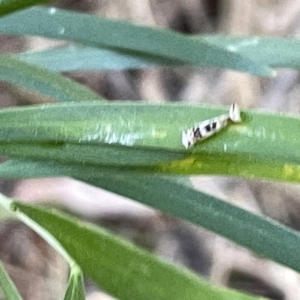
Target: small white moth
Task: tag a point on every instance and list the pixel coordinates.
(209, 127)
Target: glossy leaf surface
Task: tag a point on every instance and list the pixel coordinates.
(146, 138)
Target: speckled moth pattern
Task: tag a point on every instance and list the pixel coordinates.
(207, 128)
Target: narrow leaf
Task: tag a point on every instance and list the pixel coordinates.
(275, 52)
(9, 6)
(120, 268)
(7, 286)
(75, 58)
(43, 81)
(145, 138)
(263, 235)
(75, 290)
(123, 36)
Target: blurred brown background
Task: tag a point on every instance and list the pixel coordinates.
(40, 273)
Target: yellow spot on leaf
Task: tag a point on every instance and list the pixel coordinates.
(181, 165)
(291, 171)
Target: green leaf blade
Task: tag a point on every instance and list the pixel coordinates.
(145, 138)
(75, 58)
(124, 36)
(75, 289)
(7, 286)
(264, 236)
(273, 51)
(9, 6)
(121, 268)
(43, 81)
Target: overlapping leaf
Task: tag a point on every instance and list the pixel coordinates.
(264, 236)
(75, 290)
(147, 138)
(123, 36)
(45, 82)
(117, 266)
(75, 58)
(275, 52)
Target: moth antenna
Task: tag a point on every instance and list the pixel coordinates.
(187, 138)
(234, 113)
